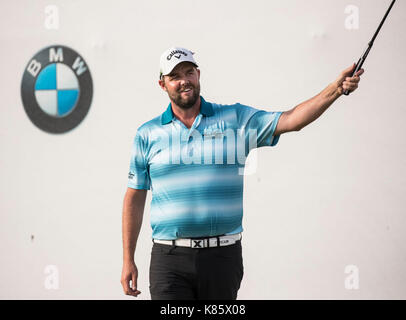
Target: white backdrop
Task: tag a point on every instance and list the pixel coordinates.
(327, 197)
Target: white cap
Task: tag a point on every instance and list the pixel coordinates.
(172, 57)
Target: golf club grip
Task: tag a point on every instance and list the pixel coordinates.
(357, 68)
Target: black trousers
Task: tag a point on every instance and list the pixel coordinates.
(180, 273)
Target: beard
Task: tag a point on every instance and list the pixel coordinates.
(186, 102)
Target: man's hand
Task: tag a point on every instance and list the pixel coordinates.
(345, 82)
(130, 273)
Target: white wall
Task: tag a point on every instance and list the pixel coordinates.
(326, 197)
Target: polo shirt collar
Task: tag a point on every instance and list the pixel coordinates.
(205, 108)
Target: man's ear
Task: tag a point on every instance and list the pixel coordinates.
(198, 72)
(162, 84)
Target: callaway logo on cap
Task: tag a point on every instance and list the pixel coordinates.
(172, 57)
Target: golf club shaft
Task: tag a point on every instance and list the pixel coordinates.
(370, 44)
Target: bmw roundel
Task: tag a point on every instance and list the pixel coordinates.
(56, 89)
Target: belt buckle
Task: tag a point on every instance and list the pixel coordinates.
(198, 243)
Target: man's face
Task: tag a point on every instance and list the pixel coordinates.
(182, 85)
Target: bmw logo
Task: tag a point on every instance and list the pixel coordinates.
(56, 89)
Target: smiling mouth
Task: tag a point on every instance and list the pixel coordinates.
(186, 90)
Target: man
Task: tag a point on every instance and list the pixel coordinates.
(192, 157)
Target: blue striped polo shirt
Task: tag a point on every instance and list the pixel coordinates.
(196, 174)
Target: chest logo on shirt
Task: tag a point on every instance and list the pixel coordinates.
(215, 130)
(214, 134)
(56, 89)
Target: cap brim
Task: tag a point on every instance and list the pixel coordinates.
(167, 73)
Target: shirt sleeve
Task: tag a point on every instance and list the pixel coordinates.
(258, 127)
(138, 176)
(264, 122)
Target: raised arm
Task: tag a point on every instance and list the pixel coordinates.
(308, 111)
